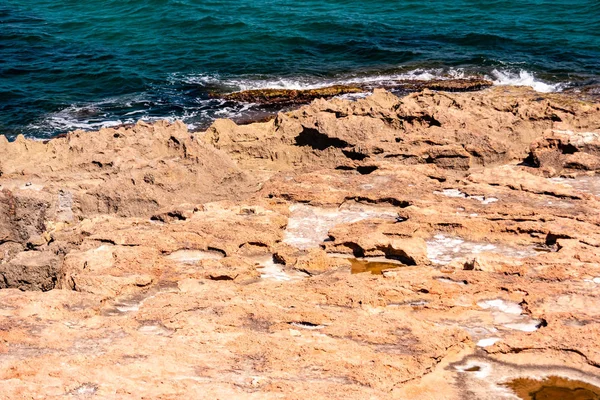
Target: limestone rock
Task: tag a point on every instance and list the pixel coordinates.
(130, 171)
(316, 262)
(31, 270)
(425, 127)
(412, 251)
(566, 150)
(495, 264)
(231, 269)
(174, 256)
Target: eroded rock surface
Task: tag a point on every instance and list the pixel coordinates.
(150, 262)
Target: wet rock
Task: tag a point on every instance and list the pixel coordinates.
(290, 96)
(294, 97)
(445, 85)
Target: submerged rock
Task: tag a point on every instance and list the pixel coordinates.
(290, 96)
(305, 96)
(444, 85)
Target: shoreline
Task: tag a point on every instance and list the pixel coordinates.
(215, 97)
(271, 101)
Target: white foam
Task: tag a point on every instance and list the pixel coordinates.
(308, 82)
(499, 77)
(66, 122)
(523, 78)
(98, 115)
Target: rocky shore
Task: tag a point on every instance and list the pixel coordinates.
(435, 246)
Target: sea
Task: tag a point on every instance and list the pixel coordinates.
(87, 64)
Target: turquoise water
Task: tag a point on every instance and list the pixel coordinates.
(85, 64)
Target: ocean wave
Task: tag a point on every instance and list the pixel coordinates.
(500, 77)
(307, 82)
(72, 118)
(116, 112)
(524, 78)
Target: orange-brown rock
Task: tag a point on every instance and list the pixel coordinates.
(452, 131)
(126, 171)
(557, 151)
(148, 262)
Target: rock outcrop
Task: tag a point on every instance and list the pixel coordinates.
(129, 171)
(151, 262)
(452, 131)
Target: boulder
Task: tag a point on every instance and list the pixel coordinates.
(31, 270)
(566, 150)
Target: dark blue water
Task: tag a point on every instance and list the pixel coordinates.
(89, 63)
